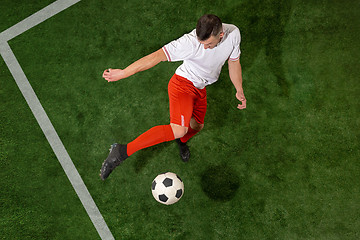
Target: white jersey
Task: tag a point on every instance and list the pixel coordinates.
(203, 66)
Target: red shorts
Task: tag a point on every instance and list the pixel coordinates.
(186, 101)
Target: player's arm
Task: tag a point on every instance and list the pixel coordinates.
(142, 64)
(235, 74)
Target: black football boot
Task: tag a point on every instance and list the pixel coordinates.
(118, 153)
(184, 150)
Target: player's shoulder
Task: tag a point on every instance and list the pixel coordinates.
(231, 29)
(186, 41)
(190, 38)
(231, 33)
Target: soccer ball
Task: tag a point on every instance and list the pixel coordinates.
(167, 188)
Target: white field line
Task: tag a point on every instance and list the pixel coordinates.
(37, 18)
(41, 116)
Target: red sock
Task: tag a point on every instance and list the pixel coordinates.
(191, 132)
(153, 136)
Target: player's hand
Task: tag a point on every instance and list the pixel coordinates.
(241, 97)
(112, 75)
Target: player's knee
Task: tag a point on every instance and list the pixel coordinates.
(199, 127)
(195, 125)
(179, 131)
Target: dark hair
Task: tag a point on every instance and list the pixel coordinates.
(208, 25)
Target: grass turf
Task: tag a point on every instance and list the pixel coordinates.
(285, 168)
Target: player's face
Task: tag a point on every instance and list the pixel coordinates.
(212, 41)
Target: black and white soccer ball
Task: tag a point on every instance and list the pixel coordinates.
(167, 188)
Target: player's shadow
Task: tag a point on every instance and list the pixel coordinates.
(145, 155)
(262, 24)
(220, 183)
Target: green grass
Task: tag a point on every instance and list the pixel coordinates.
(287, 167)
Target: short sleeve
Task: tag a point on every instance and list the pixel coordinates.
(236, 39)
(180, 49)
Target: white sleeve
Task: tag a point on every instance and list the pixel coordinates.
(236, 39)
(180, 49)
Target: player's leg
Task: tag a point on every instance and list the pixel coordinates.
(120, 152)
(180, 114)
(182, 96)
(196, 124)
(153, 136)
(181, 102)
(187, 109)
(178, 130)
(198, 116)
(194, 128)
(156, 135)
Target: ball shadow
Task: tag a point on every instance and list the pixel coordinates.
(220, 183)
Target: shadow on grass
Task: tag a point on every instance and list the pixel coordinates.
(263, 26)
(145, 155)
(220, 183)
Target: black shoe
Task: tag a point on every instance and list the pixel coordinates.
(184, 150)
(118, 153)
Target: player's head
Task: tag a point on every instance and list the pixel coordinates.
(209, 30)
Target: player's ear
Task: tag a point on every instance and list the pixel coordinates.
(221, 34)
